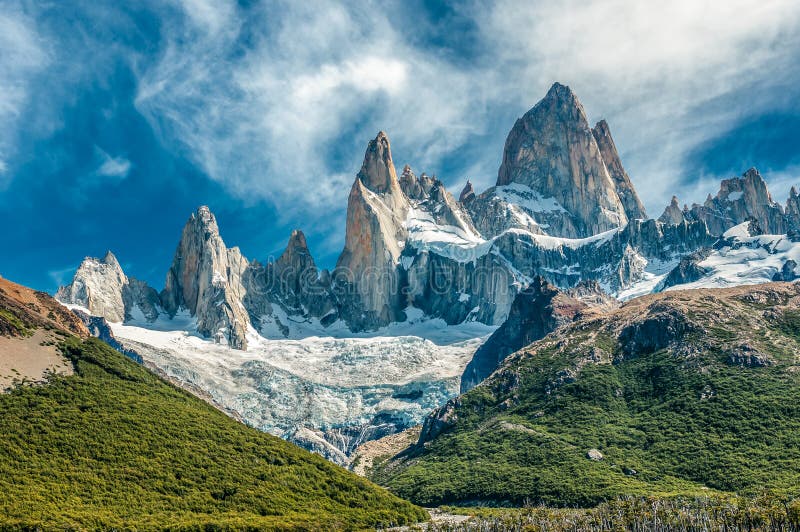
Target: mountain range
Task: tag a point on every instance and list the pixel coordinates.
(424, 278)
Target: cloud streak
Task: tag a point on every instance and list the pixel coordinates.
(21, 58)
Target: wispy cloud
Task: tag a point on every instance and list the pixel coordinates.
(288, 117)
(22, 57)
(289, 111)
(116, 168)
(276, 100)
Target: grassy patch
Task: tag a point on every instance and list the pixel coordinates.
(116, 447)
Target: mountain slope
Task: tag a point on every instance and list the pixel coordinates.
(680, 392)
(113, 446)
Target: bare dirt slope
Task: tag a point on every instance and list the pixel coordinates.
(31, 325)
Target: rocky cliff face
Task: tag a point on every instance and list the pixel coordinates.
(367, 268)
(206, 279)
(552, 150)
(738, 199)
(295, 283)
(102, 287)
(97, 285)
(673, 214)
(793, 210)
(537, 310)
(634, 209)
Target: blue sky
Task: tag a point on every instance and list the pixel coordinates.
(120, 118)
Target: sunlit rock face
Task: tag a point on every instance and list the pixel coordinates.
(206, 279)
(553, 150)
(101, 286)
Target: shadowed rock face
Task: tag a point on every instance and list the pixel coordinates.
(793, 210)
(538, 310)
(467, 193)
(627, 194)
(294, 282)
(552, 150)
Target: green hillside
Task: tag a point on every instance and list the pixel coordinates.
(685, 393)
(113, 446)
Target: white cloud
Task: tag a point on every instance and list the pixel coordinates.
(270, 123)
(116, 168)
(266, 119)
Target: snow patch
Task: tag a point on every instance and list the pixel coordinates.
(527, 198)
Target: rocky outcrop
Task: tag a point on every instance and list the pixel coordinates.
(738, 199)
(537, 310)
(467, 193)
(101, 286)
(141, 300)
(411, 186)
(793, 210)
(500, 209)
(688, 270)
(206, 279)
(659, 328)
(787, 271)
(366, 272)
(673, 214)
(97, 285)
(294, 282)
(99, 328)
(627, 194)
(552, 150)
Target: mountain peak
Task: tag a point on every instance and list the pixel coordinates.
(627, 194)
(378, 173)
(110, 259)
(467, 193)
(673, 214)
(559, 91)
(553, 150)
(205, 218)
(297, 240)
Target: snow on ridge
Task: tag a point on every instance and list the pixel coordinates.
(749, 260)
(456, 243)
(527, 198)
(556, 242)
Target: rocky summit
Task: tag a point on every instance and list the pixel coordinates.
(561, 232)
(553, 150)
